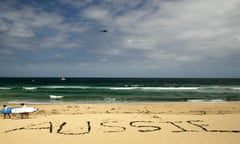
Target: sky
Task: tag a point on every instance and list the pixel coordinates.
(144, 38)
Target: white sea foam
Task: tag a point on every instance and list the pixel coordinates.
(65, 87)
(4, 88)
(170, 88)
(55, 96)
(203, 100)
(109, 99)
(216, 100)
(236, 88)
(220, 87)
(26, 102)
(197, 100)
(29, 88)
(122, 88)
(154, 88)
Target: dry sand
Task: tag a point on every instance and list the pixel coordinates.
(157, 123)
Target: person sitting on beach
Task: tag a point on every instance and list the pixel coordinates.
(6, 112)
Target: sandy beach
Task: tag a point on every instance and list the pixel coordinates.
(155, 123)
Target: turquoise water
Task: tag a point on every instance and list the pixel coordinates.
(115, 90)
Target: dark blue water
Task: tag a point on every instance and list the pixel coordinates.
(110, 90)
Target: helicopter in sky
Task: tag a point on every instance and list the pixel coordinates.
(104, 30)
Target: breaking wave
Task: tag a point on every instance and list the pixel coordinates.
(29, 88)
(4, 88)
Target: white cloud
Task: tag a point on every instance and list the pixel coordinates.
(29, 16)
(97, 13)
(18, 32)
(180, 26)
(103, 60)
(139, 43)
(60, 41)
(3, 27)
(6, 52)
(155, 33)
(27, 21)
(57, 56)
(111, 52)
(186, 31)
(76, 3)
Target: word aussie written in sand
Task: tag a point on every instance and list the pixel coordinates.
(113, 126)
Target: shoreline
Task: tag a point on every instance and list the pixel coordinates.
(163, 107)
(117, 102)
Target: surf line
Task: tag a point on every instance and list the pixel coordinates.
(113, 127)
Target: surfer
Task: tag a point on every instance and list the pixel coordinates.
(23, 105)
(6, 111)
(25, 114)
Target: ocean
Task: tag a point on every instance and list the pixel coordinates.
(118, 90)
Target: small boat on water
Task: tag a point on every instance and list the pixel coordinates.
(55, 97)
(63, 78)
